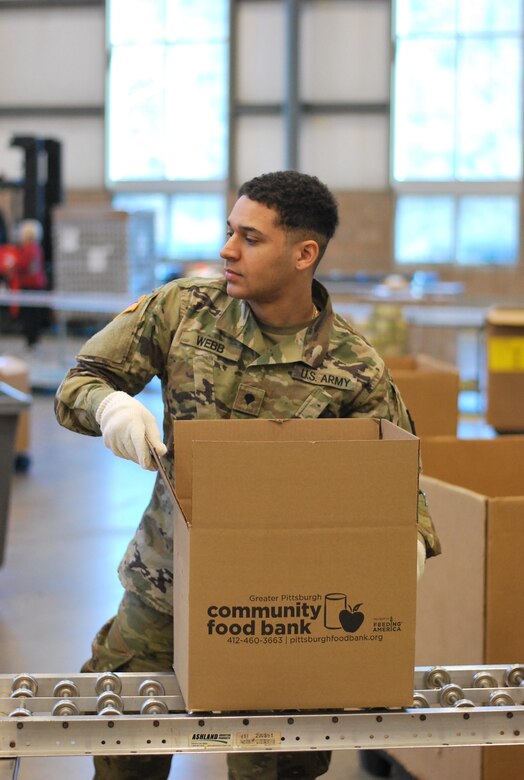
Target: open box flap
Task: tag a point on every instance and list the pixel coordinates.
(491, 467)
(182, 506)
(389, 430)
(185, 432)
(302, 484)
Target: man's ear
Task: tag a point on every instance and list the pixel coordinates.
(308, 254)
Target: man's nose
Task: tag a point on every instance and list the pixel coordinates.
(230, 249)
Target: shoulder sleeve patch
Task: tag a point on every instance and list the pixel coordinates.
(134, 306)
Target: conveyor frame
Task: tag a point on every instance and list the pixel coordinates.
(28, 727)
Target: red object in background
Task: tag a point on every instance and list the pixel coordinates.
(30, 268)
(9, 260)
(22, 268)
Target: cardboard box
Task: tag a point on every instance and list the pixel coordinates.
(470, 598)
(15, 372)
(12, 403)
(430, 390)
(505, 363)
(295, 570)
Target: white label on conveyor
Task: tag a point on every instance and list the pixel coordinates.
(256, 739)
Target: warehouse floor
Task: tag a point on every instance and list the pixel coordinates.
(71, 516)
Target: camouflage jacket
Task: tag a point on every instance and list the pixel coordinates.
(212, 362)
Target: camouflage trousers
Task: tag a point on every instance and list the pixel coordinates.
(140, 639)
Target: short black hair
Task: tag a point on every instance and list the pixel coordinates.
(302, 202)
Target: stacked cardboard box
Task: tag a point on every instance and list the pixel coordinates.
(295, 563)
(470, 598)
(15, 372)
(430, 390)
(12, 404)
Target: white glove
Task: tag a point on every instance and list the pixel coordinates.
(421, 557)
(125, 423)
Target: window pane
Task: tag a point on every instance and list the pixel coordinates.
(424, 118)
(174, 127)
(141, 21)
(488, 230)
(168, 88)
(457, 117)
(424, 229)
(136, 113)
(197, 20)
(137, 21)
(196, 103)
(489, 100)
(197, 227)
(425, 16)
(490, 15)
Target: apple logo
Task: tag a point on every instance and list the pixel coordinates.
(351, 618)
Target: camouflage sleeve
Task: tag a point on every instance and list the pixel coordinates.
(125, 355)
(385, 401)
(426, 528)
(381, 397)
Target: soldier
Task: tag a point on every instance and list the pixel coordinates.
(263, 341)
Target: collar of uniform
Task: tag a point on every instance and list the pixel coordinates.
(308, 345)
(317, 336)
(237, 321)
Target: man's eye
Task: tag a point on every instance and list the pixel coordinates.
(250, 240)
(229, 233)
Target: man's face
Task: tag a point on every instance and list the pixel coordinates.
(259, 256)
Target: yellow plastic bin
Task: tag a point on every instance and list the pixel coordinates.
(505, 358)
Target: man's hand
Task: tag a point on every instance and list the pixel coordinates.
(421, 557)
(125, 423)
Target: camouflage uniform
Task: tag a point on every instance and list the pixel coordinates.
(212, 361)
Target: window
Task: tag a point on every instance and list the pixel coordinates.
(167, 127)
(457, 130)
(469, 229)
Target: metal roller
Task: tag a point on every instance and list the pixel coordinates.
(501, 698)
(437, 677)
(20, 712)
(22, 693)
(151, 688)
(154, 707)
(514, 676)
(65, 689)
(65, 707)
(450, 694)
(109, 704)
(484, 680)
(24, 686)
(108, 681)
